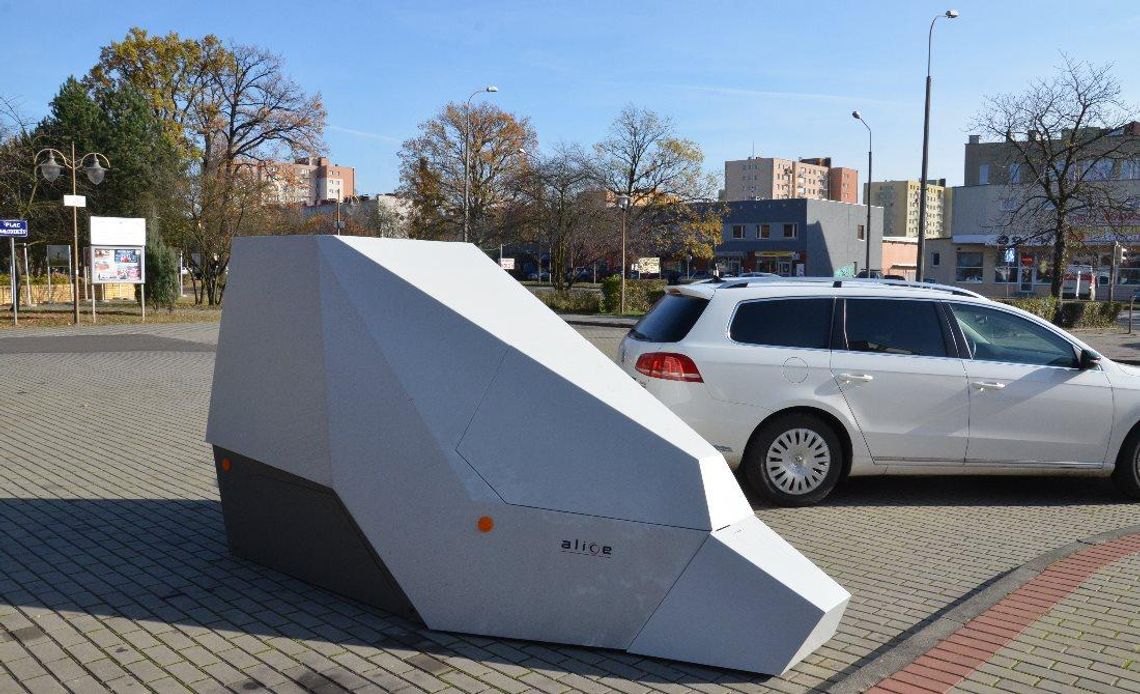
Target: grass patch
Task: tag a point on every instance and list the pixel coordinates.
(110, 313)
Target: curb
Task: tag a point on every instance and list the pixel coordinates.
(912, 644)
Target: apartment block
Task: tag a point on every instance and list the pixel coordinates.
(308, 181)
(900, 203)
(773, 178)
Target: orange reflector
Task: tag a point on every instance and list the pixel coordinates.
(225, 464)
(485, 524)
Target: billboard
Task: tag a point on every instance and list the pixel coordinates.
(58, 255)
(117, 265)
(649, 266)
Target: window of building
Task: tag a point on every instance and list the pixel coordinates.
(737, 231)
(969, 266)
(789, 231)
(784, 323)
(1130, 169)
(894, 326)
(935, 259)
(983, 174)
(860, 232)
(763, 231)
(1015, 173)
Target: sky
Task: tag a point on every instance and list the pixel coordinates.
(774, 78)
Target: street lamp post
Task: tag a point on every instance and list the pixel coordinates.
(918, 274)
(95, 171)
(490, 89)
(867, 195)
(623, 203)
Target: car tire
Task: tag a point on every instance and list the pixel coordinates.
(794, 460)
(1127, 472)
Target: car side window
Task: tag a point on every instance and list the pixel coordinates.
(894, 326)
(994, 335)
(784, 323)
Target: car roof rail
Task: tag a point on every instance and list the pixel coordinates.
(934, 286)
(838, 282)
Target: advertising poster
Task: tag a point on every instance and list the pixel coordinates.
(117, 265)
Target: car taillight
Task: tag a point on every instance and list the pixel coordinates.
(669, 366)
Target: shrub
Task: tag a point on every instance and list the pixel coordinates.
(161, 275)
(639, 294)
(1072, 314)
(1089, 314)
(572, 301)
(1040, 306)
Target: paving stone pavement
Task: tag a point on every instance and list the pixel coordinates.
(114, 573)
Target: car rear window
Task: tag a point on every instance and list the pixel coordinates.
(670, 319)
(784, 323)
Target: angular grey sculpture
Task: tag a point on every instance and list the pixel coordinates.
(403, 423)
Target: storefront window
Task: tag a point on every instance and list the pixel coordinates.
(969, 266)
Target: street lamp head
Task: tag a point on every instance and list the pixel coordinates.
(50, 169)
(623, 202)
(492, 88)
(95, 171)
(856, 116)
(951, 14)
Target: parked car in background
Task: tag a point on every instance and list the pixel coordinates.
(801, 383)
(1079, 283)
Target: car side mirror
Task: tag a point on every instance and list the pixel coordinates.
(1089, 359)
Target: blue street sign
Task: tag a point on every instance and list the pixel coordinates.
(17, 228)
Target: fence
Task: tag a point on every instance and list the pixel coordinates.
(32, 294)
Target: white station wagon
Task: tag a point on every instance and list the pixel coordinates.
(802, 382)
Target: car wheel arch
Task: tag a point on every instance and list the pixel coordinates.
(1133, 432)
(828, 418)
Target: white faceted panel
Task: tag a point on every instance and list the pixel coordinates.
(748, 601)
(268, 399)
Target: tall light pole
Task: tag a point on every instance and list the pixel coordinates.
(918, 274)
(623, 203)
(867, 195)
(95, 171)
(490, 89)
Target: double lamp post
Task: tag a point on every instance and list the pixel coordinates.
(50, 170)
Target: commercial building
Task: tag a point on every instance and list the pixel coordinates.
(900, 203)
(801, 237)
(307, 181)
(993, 252)
(772, 178)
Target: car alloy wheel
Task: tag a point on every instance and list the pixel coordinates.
(797, 461)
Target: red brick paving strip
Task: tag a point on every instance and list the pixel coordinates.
(953, 659)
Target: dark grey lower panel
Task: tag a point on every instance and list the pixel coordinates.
(303, 529)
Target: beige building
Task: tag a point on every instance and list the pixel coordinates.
(772, 178)
(899, 200)
(308, 181)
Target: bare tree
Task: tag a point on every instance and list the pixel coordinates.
(563, 211)
(661, 173)
(230, 108)
(432, 171)
(1062, 140)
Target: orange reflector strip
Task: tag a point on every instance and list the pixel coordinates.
(225, 464)
(485, 524)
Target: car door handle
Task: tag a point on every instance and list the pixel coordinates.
(855, 378)
(988, 385)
